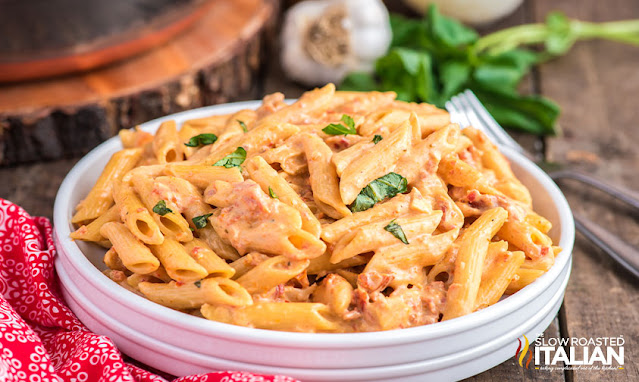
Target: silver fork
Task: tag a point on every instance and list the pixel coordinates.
(466, 110)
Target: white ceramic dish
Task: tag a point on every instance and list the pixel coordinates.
(454, 349)
(178, 361)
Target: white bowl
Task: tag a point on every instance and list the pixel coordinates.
(178, 361)
(453, 349)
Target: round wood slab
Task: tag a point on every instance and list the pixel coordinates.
(46, 38)
(215, 61)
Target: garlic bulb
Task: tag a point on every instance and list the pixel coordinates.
(323, 40)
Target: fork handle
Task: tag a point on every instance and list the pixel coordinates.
(616, 248)
(628, 196)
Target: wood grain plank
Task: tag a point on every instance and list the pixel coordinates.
(34, 187)
(596, 84)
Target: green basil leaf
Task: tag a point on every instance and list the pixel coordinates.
(358, 81)
(378, 190)
(201, 221)
(198, 284)
(201, 140)
(454, 75)
(348, 120)
(532, 114)
(271, 193)
(377, 138)
(498, 77)
(340, 129)
(234, 159)
(243, 125)
(362, 203)
(503, 72)
(161, 209)
(409, 73)
(397, 231)
(523, 59)
(448, 32)
(405, 30)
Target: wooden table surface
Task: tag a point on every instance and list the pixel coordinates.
(597, 86)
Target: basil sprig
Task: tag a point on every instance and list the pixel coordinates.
(381, 188)
(341, 129)
(435, 57)
(377, 138)
(234, 159)
(397, 231)
(161, 209)
(201, 140)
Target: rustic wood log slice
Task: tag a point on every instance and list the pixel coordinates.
(217, 60)
(46, 38)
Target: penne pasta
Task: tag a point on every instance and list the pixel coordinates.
(177, 262)
(202, 176)
(366, 168)
(168, 218)
(323, 176)
(462, 294)
(373, 236)
(134, 255)
(167, 146)
(271, 273)
(266, 177)
(339, 212)
(214, 265)
(91, 231)
(193, 295)
(100, 198)
(291, 316)
(135, 216)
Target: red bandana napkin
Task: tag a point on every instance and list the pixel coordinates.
(40, 338)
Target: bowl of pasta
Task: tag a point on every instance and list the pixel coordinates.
(342, 235)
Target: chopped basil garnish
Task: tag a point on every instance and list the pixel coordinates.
(161, 209)
(271, 193)
(397, 231)
(200, 221)
(339, 129)
(244, 128)
(198, 284)
(201, 140)
(234, 159)
(377, 138)
(381, 188)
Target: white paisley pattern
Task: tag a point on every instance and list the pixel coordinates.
(41, 340)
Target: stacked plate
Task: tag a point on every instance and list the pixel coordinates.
(181, 344)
